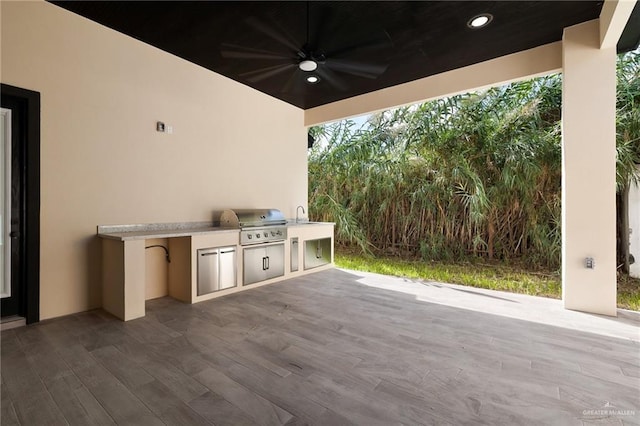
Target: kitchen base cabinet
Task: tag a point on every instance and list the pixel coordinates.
(263, 262)
(216, 269)
(203, 266)
(317, 253)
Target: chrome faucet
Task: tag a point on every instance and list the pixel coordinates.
(298, 208)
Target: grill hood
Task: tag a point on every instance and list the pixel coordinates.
(246, 218)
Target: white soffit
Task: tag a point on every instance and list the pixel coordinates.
(529, 63)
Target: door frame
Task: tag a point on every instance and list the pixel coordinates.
(6, 211)
(29, 102)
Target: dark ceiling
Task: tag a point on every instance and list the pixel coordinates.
(360, 46)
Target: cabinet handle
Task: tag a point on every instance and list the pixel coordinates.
(267, 261)
(318, 252)
(209, 254)
(264, 263)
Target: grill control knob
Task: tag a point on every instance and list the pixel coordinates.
(250, 236)
(257, 235)
(273, 234)
(279, 232)
(266, 234)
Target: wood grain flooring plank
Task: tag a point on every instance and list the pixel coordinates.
(178, 382)
(115, 397)
(139, 352)
(29, 335)
(322, 349)
(147, 331)
(272, 339)
(259, 409)
(294, 364)
(76, 356)
(288, 393)
(30, 399)
(166, 405)
(247, 354)
(334, 365)
(184, 356)
(129, 372)
(76, 403)
(219, 411)
(330, 417)
(47, 363)
(358, 407)
(413, 402)
(399, 371)
(106, 334)
(18, 377)
(9, 342)
(8, 414)
(182, 415)
(38, 409)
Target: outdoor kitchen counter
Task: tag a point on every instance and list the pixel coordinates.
(124, 270)
(159, 230)
(293, 222)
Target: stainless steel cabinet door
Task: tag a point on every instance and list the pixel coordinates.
(294, 254)
(275, 260)
(208, 271)
(317, 253)
(227, 267)
(254, 265)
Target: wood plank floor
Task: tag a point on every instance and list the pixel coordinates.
(321, 349)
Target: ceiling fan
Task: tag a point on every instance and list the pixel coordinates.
(324, 57)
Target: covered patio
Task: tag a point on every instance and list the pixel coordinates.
(336, 347)
(331, 348)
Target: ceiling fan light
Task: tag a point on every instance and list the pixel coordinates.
(313, 79)
(480, 21)
(308, 65)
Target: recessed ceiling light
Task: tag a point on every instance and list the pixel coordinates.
(480, 21)
(308, 65)
(313, 79)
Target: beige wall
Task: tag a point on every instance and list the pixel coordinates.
(156, 269)
(104, 163)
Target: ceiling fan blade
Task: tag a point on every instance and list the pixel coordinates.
(267, 72)
(294, 83)
(380, 45)
(360, 69)
(234, 51)
(330, 77)
(278, 36)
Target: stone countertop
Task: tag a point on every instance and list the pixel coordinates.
(159, 230)
(292, 222)
(171, 230)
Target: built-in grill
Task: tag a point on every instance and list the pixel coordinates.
(262, 233)
(257, 226)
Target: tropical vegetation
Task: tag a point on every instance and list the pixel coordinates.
(471, 176)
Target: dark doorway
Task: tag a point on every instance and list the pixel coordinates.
(24, 227)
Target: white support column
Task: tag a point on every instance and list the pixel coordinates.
(634, 225)
(588, 171)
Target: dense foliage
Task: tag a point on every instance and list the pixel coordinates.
(469, 175)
